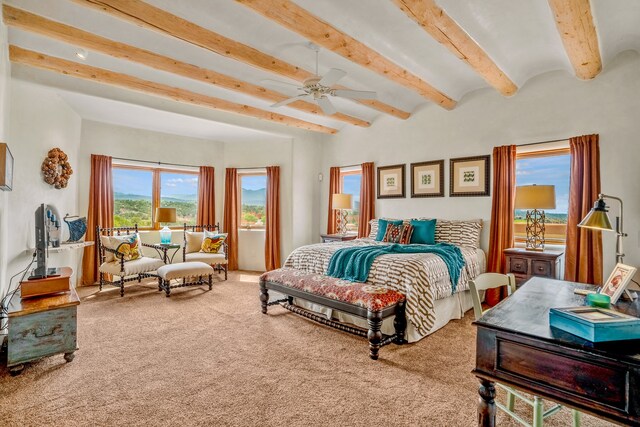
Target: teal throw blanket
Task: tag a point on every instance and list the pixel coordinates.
(353, 264)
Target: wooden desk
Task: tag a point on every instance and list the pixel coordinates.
(41, 326)
(517, 347)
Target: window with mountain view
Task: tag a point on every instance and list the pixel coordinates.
(545, 169)
(350, 184)
(180, 191)
(253, 200)
(134, 197)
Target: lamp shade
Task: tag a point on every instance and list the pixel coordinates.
(341, 201)
(597, 217)
(535, 197)
(165, 214)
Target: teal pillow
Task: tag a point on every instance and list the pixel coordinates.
(424, 231)
(382, 227)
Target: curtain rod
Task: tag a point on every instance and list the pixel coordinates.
(155, 163)
(259, 167)
(542, 142)
(350, 166)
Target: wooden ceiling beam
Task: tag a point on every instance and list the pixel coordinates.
(62, 66)
(447, 32)
(27, 21)
(151, 17)
(579, 36)
(309, 26)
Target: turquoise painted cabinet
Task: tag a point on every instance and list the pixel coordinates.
(41, 326)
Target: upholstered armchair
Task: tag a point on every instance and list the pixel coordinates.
(191, 250)
(115, 263)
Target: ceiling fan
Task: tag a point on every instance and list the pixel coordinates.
(319, 88)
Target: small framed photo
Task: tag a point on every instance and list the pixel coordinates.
(618, 281)
(469, 176)
(427, 179)
(391, 182)
(6, 168)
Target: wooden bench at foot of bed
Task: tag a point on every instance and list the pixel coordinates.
(371, 302)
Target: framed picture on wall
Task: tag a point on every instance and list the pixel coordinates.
(6, 168)
(391, 182)
(427, 179)
(469, 176)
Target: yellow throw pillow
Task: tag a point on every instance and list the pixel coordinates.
(127, 247)
(212, 242)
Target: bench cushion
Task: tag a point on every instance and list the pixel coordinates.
(136, 266)
(184, 269)
(371, 297)
(206, 258)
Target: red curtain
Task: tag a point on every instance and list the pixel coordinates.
(367, 199)
(231, 216)
(583, 256)
(100, 213)
(334, 188)
(206, 196)
(502, 216)
(272, 235)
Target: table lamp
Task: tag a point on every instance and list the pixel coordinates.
(535, 198)
(165, 215)
(597, 219)
(341, 202)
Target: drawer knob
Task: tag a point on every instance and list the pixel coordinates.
(540, 268)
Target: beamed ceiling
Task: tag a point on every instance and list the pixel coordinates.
(214, 56)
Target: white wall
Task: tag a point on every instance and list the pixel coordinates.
(554, 105)
(39, 121)
(4, 120)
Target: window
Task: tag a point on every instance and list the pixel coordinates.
(350, 179)
(550, 167)
(253, 200)
(139, 190)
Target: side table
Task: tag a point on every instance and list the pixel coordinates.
(163, 248)
(337, 237)
(525, 264)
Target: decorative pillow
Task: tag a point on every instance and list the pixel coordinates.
(382, 227)
(424, 231)
(373, 228)
(194, 241)
(106, 242)
(212, 242)
(393, 233)
(127, 247)
(461, 233)
(405, 235)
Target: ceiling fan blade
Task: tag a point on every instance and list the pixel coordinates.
(290, 100)
(326, 106)
(354, 94)
(332, 77)
(280, 84)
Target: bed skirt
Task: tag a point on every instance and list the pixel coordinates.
(445, 309)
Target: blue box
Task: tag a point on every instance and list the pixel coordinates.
(595, 324)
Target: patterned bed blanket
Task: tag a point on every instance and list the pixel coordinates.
(422, 277)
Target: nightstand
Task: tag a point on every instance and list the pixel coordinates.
(337, 237)
(524, 264)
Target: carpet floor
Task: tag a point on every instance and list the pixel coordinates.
(212, 358)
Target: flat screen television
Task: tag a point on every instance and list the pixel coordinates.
(42, 245)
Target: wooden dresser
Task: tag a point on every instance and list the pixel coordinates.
(41, 326)
(525, 264)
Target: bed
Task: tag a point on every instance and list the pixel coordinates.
(423, 278)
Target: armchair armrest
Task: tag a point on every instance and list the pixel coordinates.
(118, 258)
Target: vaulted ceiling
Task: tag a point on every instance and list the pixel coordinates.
(225, 55)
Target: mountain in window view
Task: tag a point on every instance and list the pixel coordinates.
(172, 198)
(254, 197)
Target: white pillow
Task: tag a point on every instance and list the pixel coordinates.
(194, 241)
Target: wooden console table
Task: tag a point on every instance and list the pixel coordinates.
(41, 326)
(516, 347)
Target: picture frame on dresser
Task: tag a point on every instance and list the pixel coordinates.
(618, 281)
(391, 182)
(469, 176)
(427, 179)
